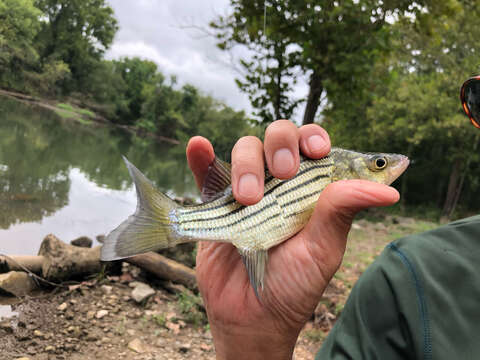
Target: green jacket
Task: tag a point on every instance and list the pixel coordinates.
(419, 300)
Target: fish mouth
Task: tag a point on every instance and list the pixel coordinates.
(398, 169)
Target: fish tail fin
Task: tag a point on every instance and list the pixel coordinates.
(148, 229)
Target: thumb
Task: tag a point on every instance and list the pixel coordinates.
(326, 233)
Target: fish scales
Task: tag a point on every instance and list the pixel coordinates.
(284, 210)
(266, 223)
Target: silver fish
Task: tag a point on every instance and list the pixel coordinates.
(284, 210)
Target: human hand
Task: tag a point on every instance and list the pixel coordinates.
(298, 269)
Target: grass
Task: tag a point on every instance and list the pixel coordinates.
(67, 111)
(189, 305)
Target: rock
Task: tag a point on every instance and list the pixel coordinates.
(6, 326)
(134, 284)
(91, 337)
(101, 238)
(69, 315)
(184, 347)
(205, 347)
(62, 306)
(106, 289)
(17, 283)
(50, 348)
(101, 313)
(82, 241)
(142, 292)
(137, 346)
(39, 334)
(22, 358)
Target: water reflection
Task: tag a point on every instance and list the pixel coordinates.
(57, 176)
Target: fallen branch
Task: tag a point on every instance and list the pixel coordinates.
(165, 268)
(21, 263)
(58, 261)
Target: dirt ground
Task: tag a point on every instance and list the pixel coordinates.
(98, 318)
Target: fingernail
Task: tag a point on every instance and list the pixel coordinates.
(283, 161)
(315, 143)
(248, 186)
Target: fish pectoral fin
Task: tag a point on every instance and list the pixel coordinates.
(218, 179)
(255, 261)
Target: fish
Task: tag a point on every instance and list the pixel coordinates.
(159, 222)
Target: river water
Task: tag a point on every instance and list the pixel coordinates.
(61, 177)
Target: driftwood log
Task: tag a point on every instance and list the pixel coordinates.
(57, 261)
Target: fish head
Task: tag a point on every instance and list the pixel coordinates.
(378, 167)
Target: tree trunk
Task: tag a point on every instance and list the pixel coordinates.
(453, 185)
(404, 183)
(314, 93)
(454, 192)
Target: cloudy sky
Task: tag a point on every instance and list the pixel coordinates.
(154, 30)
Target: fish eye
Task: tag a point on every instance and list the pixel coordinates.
(380, 163)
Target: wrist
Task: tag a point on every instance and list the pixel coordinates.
(251, 344)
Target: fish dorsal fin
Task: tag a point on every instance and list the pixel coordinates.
(218, 179)
(255, 261)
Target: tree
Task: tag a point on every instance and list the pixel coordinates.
(76, 32)
(137, 74)
(335, 43)
(19, 25)
(269, 75)
(412, 107)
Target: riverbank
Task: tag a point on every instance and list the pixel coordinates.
(99, 318)
(72, 111)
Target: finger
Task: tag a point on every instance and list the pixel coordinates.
(326, 233)
(200, 155)
(314, 141)
(248, 170)
(281, 149)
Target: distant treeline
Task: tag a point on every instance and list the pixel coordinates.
(382, 76)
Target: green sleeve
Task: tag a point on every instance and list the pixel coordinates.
(419, 300)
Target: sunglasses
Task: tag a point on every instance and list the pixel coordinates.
(470, 97)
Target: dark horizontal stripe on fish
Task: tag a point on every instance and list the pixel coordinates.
(299, 186)
(196, 211)
(302, 198)
(296, 213)
(268, 178)
(304, 158)
(213, 217)
(322, 166)
(262, 222)
(248, 216)
(191, 211)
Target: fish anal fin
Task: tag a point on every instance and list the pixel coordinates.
(218, 179)
(255, 261)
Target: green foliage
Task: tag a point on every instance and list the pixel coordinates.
(159, 319)
(137, 74)
(76, 32)
(412, 107)
(335, 43)
(189, 305)
(19, 25)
